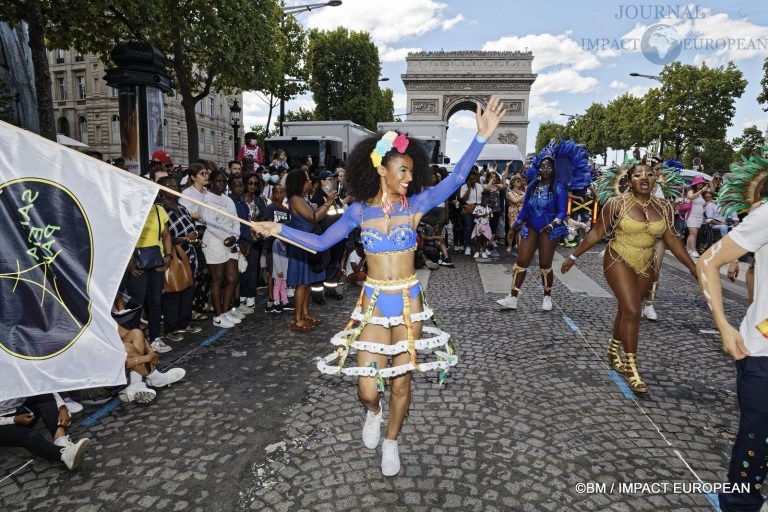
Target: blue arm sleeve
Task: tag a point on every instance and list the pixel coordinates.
(561, 200)
(428, 199)
(333, 235)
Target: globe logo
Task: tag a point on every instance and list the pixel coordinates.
(661, 44)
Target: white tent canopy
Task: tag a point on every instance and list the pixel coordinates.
(68, 141)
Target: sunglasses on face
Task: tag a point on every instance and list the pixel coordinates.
(204, 173)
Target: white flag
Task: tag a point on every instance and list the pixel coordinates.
(69, 224)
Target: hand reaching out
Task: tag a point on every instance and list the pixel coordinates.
(266, 228)
(488, 119)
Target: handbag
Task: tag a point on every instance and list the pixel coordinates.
(684, 210)
(149, 258)
(178, 275)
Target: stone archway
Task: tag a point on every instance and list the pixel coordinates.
(439, 84)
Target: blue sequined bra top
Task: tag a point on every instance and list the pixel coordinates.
(399, 238)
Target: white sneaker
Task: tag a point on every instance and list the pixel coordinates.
(250, 302)
(161, 379)
(694, 254)
(390, 458)
(467, 251)
(509, 249)
(508, 302)
(232, 317)
(650, 313)
(476, 255)
(485, 254)
(236, 313)
(546, 305)
(372, 428)
(138, 393)
(222, 321)
(160, 346)
(73, 453)
(72, 406)
(245, 309)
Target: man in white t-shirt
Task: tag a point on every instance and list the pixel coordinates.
(748, 346)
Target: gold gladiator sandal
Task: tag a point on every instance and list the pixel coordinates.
(614, 356)
(632, 373)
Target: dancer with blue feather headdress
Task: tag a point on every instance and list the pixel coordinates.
(542, 218)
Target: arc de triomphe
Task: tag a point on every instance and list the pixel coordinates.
(439, 84)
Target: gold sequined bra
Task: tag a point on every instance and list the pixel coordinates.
(634, 241)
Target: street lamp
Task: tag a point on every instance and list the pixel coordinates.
(234, 117)
(651, 77)
(663, 116)
(287, 11)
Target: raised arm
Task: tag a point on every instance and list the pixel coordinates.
(333, 235)
(487, 121)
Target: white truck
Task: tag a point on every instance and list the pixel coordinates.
(350, 133)
(431, 133)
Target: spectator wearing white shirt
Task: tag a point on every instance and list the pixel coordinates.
(713, 217)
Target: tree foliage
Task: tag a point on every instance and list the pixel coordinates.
(227, 44)
(549, 130)
(345, 78)
(715, 154)
(750, 142)
(697, 103)
(762, 98)
(625, 124)
(591, 130)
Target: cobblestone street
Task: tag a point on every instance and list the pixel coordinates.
(530, 411)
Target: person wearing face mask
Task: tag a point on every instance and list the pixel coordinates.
(328, 187)
(251, 150)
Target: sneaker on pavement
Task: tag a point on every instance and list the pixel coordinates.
(372, 428)
(236, 313)
(192, 329)
(222, 321)
(546, 304)
(289, 306)
(485, 254)
(174, 336)
(447, 262)
(250, 302)
(268, 308)
(231, 317)
(160, 346)
(277, 308)
(508, 302)
(509, 248)
(467, 251)
(73, 453)
(431, 265)
(245, 310)
(138, 393)
(162, 379)
(390, 458)
(650, 313)
(72, 406)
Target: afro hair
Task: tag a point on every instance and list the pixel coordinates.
(363, 182)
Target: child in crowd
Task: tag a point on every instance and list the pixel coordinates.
(279, 276)
(481, 234)
(275, 212)
(355, 268)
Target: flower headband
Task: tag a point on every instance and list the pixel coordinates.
(388, 141)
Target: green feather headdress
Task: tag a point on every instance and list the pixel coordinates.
(611, 182)
(745, 185)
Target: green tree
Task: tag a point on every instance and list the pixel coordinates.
(697, 103)
(591, 129)
(749, 143)
(715, 154)
(762, 98)
(345, 78)
(549, 130)
(625, 123)
(302, 114)
(204, 48)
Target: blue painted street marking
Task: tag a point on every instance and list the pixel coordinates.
(571, 323)
(106, 409)
(623, 387)
(712, 498)
(207, 342)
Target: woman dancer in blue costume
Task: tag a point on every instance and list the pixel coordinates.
(388, 176)
(541, 223)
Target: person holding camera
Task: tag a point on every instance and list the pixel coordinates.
(220, 250)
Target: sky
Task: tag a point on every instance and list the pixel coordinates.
(572, 71)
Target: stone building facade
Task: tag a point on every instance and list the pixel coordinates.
(86, 109)
(439, 84)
